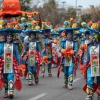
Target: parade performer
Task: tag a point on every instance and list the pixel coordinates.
(23, 33)
(9, 61)
(32, 55)
(86, 41)
(55, 49)
(47, 52)
(91, 68)
(69, 50)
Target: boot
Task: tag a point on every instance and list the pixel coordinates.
(30, 78)
(70, 82)
(66, 82)
(36, 79)
(6, 94)
(11, 89)
(89, 93)
(49, 72)
(6, 89)
(43, 71)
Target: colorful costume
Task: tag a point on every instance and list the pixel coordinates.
(32, 57)
(69, 54)
(91, 69)
(55, 49)
(9, 67)
(47, 52)
(87, 41)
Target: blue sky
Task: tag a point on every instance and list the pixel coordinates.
(84, 3)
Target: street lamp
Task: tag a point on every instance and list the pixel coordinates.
(91, 6)
(76, 6)
(63, 3)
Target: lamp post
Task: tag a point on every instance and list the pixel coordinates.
(76, 9)
(63, 3)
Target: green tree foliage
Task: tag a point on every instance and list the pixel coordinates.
(51, 12)
(93, 14)
(25, 5)
(71, 12)
(86, 17)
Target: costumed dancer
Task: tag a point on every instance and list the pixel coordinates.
(55, 49)
(9, 61)
(47, 53)
(86, 41)
(24, 38)
(91, 68)
(32, 56)
(69, 50)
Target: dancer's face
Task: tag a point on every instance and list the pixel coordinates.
(32, 36)
(9, 38)
(87, 36)
(69, 36)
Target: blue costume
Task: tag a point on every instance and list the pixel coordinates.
(68, 66)
(88, 42)
(55, 49)
(10, 53)
(47, 51)
(92, 69)
(32, 47)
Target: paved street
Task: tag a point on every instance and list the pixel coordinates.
(50, 88)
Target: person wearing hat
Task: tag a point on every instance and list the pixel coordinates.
(47, 51)
(84, 41)
(23, 33)
(68, 61)
(9, 68)
(55, 49)
(91, 69)
(32, 56)
(87, 37)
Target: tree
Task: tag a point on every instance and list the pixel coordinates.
(51, 12)
(71, 12)
(93, 13)
(52, 2)
(86, 17)
(26, 5)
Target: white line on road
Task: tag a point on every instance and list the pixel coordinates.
(43, 94)
(38, 96)
(76, 79)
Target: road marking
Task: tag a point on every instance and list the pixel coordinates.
(38, 96)
(76, 79)
(43, 94)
